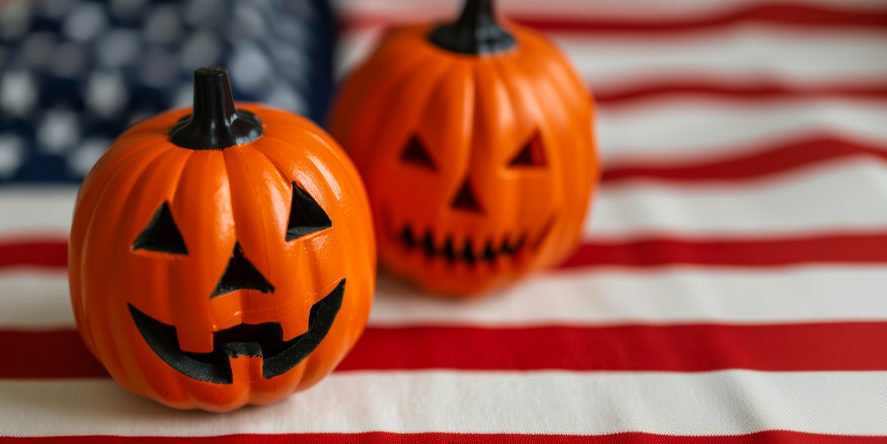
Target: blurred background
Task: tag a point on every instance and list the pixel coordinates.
(730, 278)
(74, 74)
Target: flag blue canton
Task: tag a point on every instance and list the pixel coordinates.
(74, 74)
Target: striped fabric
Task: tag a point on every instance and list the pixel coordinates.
(731, 287)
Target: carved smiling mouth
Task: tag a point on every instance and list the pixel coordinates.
(470, 251)
(253, 340)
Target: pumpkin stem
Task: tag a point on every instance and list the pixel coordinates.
(215, 123)
(475, 32)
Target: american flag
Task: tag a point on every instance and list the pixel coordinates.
(731, 286)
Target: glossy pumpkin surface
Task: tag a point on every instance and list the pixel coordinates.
(476, 147)
(217, 277)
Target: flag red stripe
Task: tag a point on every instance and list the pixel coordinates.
(778, 14)
(42, 252)
(752, 163)
(763, 90)
(765, 437)
(834, 249)
(684, 348)
(865, 248)
(46, 354)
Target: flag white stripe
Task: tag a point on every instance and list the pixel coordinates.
(678, 129)
(752, 50)
(841, 196)
(793, 56)
(650, 10)
(549, 402)
(36, 210)
(35, 299)
(674, 295)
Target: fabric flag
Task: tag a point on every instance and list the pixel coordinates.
(730, 287)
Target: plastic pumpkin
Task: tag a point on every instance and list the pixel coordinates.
(221, 256)
(475, 142)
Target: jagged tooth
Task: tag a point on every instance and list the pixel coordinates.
(428, 244)
(251, 349)
(468, 252)
(407, 236)
(448, 251)
(521, 241)
(506, 247)
(489, 254)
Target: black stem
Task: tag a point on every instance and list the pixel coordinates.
(215, 123)
(476, 31)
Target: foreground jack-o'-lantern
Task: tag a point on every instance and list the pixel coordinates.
(475, 142)
(221, 257)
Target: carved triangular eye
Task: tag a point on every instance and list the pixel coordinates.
(306, 216)
(161, 234)
(531, 154)
(416, 154)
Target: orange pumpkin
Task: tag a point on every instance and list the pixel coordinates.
(474, 139)
(221, 257)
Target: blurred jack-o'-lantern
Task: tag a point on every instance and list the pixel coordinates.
(221, 256)
(474, 139)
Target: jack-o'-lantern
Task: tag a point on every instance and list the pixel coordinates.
(221, 256)
(475, 142)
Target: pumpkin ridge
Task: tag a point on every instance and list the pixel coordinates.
(561, 79)
(368, 128)
(581, 109)
(498, 66)
(143, 162)
(130, 158)
(90, 196)
(176, 179)
(120, 157)
(556, 163)
(267, 237)
(351, 94)
(236, 155)
(137, 143)
(412, 58)
(191, 186)
(316, 166)
(286, 177)
(452, 68)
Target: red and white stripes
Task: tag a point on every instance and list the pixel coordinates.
(730, 287)
(548, 402)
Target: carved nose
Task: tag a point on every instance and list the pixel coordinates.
(241, 274)
(465, 199)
